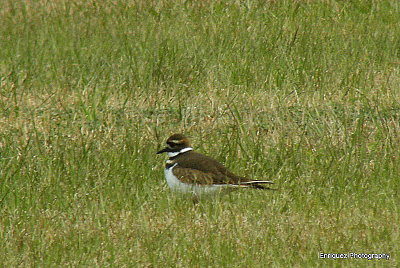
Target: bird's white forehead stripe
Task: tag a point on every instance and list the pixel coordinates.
(172, 154)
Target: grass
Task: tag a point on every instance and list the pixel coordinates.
(304, 92)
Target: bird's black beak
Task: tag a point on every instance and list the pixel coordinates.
(165, 150)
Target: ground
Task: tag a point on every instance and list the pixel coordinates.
(305, 93)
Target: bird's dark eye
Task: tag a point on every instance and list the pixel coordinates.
(171, 144)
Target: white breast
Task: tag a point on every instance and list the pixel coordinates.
(195, 189)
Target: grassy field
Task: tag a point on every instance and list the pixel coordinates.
(303, 92)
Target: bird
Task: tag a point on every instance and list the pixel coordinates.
(187, 171)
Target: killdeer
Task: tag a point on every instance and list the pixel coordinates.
(190, 172)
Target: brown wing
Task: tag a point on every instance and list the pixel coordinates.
(188, 175)
(201, 165)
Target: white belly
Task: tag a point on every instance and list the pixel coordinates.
(177, 185)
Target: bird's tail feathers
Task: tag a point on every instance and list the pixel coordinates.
(257, 184)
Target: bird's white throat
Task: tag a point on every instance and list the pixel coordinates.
(184, 150)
